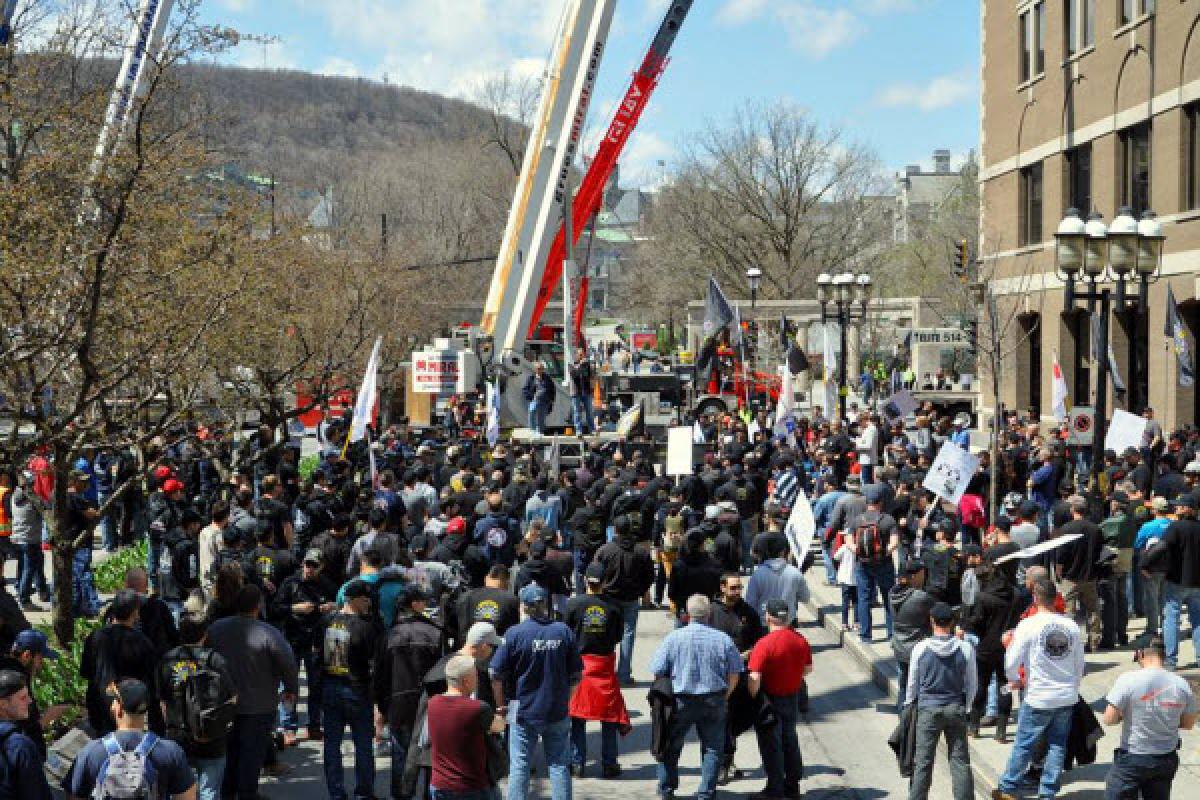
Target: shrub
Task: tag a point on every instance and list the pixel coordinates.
(60, 680)
(110, 573)
(308, 465)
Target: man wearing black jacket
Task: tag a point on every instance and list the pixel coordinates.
(993, 613)
(1077, 569)
(412, 647)
(628, 574)
(299, 604)
(493, 603)
(696, 572)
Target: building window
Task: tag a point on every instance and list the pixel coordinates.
(1079, 179)
(1191, 157)
(1032, 35)
(1030, 222)
(1079, 25)
(1133, 10)
(1134, 189)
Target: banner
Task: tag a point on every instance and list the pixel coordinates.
(717, 311)
(1124, 431)
(1114, 374)
(800, 528)
(1177, 336)
(899, 406)
(1041, 547)
(1058, 390)
(364, 402)
(679, 451)
(785, 409)
(951, 472)
(493, 414)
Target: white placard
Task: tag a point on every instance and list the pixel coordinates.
(801, 526)
(679, 451)
(1041, 547)
(435, 372)
(1124, 431)
(951, 472)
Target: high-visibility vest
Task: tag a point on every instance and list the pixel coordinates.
(5, 519)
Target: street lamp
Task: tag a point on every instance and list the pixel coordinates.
(845, 290)
(754, 278)
(1094, 254)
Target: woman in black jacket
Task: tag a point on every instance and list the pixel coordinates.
(991, 615)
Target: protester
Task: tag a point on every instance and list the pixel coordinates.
(21, 773)
(628, 574)
(777, 667)
(114, 652)
(458, 726)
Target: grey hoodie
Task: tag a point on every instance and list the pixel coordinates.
(942, 673)
(776, 579)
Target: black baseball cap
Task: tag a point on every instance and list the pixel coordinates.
(594, 573)
(133, 696)
(778, 609)
(357, 588)
(942, 613)
(11, 682)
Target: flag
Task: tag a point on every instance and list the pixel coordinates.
(493, 414)
(364, 403)
(717, 311)
(1058, 391)
(785, 341)
(1177, 335)
(735, 328)
(785, 409)
(698, 433)
(1118, 383)
(831, 342)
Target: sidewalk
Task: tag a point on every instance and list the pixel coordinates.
(988, 758)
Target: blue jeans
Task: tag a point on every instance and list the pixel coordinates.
(871, 578)
(582, 415)
(108, 531)
(209, 773)
(779, 745)
(1148, 777)
(537, 418)
(707, 713)
(608, 743)
(1178, 598)
(629, 615)
(245, 753)
(344, 705)
(556, 745)
(85, 601)
(830, 566)
(290, 720)
(1032, 724)
(33, 575)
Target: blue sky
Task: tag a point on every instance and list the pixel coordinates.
(899, 75)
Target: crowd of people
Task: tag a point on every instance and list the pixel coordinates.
(453, 604)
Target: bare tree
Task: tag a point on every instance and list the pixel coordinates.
(510, 101)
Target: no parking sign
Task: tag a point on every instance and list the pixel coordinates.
(1081, 426)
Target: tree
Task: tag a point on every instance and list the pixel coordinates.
(510, 101)
(773, 189)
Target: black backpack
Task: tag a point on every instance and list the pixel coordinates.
(209, 699)
(869, 544)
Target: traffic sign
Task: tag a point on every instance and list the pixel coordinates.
(1082, 426)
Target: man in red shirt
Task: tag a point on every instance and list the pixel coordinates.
(778, 664)
(457, 725)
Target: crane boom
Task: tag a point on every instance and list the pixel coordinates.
(591, 192)
(6, 17)
(553, 143)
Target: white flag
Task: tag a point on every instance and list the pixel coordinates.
(785, 409)
(364, 403)
(830, 383)
(1058, 391)
(698, 434)
(493, 414)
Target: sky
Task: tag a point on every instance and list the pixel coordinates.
(901, 76)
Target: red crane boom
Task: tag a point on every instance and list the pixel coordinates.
(591, 192)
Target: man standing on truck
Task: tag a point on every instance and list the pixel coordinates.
(539, 395)
(580, 375)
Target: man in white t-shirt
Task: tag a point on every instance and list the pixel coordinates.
(1152, 705)
(1049, 648)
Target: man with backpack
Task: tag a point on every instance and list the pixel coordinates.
(195, 687)
(497, 533)
(179, 567)
(875, 540)
(299, 605)
(131, 763)
(628, 574)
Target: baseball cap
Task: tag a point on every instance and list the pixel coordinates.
(412, 593)
(727, 505)
(11, 682)
(711, 512)
(594, 573)
(33, 641)
(483, 633)
(172, 485)
(533, 594)
(1028, 509)
(942, 613)
(873, 493)
(778, 609)
(456, 525)
(1160, 504)
(133, 696)
(853, 483)
(312, 556)
(913, 566)
(1187, 499)
(162, 473)
(1192, 468)
(357, 588)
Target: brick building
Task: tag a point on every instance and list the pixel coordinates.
(1091, 104)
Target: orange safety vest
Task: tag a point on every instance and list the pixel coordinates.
(5, 520)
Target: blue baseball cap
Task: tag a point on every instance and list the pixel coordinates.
(33, 641)
(533, 594)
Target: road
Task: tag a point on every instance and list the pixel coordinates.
(843, 741)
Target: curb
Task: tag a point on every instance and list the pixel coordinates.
(884, 674)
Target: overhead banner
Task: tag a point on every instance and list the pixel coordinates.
(435, 372)
(942, 337)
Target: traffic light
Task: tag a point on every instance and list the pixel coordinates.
(961, 260)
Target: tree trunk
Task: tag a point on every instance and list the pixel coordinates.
(62, 554)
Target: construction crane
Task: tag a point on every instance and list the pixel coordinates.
(6, 17)
(534, 218)
(588, 201)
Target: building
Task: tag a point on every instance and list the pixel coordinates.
(1095, 105)
(919, 195)
(607, 246)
